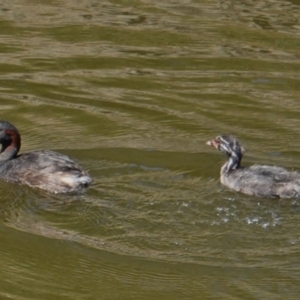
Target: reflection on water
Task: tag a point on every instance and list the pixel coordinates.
(132, 90)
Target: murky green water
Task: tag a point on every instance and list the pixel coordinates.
(132, 90)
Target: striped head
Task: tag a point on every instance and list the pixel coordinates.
(227, 144)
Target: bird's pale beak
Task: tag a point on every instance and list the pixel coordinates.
(212, 143)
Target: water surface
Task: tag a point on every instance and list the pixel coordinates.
(132, 90)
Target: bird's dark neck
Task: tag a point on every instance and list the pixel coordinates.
(11, 147)
(233, 163)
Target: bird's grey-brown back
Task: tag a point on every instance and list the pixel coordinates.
(47, 170)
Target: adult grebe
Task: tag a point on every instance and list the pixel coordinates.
(44, 169)
(258, 180)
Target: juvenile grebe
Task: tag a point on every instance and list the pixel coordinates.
(44, 169)
(261, 181)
